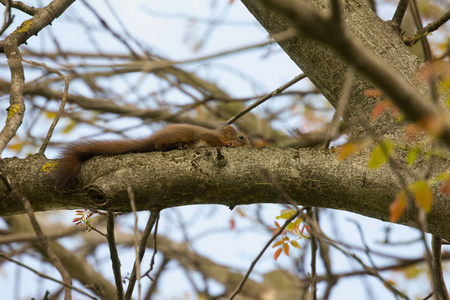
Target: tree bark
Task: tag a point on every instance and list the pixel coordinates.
(228, 176)
(326, 68)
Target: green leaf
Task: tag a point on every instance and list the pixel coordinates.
(412, 155)
(380, 154)
(437, 179)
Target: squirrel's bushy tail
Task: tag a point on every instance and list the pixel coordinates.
(75, 154)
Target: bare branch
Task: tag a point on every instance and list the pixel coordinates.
(440, 288)
(42, 18)
(252, 265)
(61, 107)
(266, 97)
(46, 276)
(115, 260)
(343, 99)
(43, 240)
(142, 245)
(399, 14)
(313, 24)
(21, 6)
(16, 109)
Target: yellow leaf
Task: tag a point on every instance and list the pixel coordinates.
(15, 147)
(295, 244)
(50, 115)
(69, 127)
(285, 214)
(380, 154)
(413, 272)
(422, 194)
(290, 227)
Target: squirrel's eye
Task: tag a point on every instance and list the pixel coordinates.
(241, 137)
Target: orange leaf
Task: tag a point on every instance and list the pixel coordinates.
(373, 93)
(232, 224)
(397, 208)
(352, 147)
(278, 243)
(445, 187)
(345, 150)
(307, 229)
(277, 253)
(286, 249)
(378, 109)
(433, 124)
(381, 107)
(240, 212)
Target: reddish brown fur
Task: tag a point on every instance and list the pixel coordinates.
(177, 136)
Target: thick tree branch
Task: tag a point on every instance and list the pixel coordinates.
(161, 180)
(42, 17)
(317, 26)
(368, 43)
(16, 108)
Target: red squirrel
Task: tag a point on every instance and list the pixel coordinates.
(177, 136)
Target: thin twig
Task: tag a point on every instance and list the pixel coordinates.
(137, 262)
(400, 13)
(326, 261)
(266, 97)
(155, 249)
(113, 253)
(313, 282)
(61, 107)
(157, 276)
(8, 19)
(45, 276)
(433, 26)
(418, 22)
(241, 284)
(363, 240)
(21, 6)
(315, 230)
(142, 245)
(14, 193)
(342, 103)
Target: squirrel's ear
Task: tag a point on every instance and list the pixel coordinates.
(225, 127)
(222, 126)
